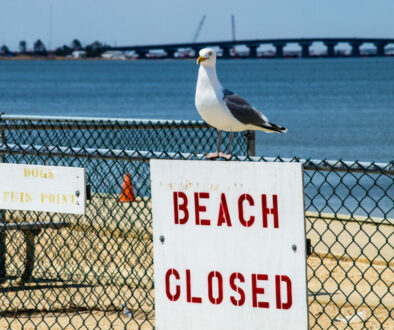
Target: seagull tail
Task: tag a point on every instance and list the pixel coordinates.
(275, 128)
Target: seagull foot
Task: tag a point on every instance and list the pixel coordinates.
(225, 156)
(212, 155)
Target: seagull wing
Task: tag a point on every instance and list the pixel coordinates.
(247, 114)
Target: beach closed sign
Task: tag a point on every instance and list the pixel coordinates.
(42, 188)
(229, 245)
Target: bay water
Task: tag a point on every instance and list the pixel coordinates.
(333, 108)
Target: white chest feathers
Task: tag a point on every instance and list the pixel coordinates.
(210, 104)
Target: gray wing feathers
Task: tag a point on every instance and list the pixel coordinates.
(246, 114)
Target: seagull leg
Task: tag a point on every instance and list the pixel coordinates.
(231, 142)
(214, 155)
(228, 156)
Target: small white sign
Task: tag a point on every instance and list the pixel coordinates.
(229, 245)
(42, 188)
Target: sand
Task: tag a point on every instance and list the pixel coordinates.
(105, 264)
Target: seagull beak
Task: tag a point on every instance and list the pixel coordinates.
(201, 59)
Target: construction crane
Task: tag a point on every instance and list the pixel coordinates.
(199, 28)
(234, 50)
(233, 26)
(189, 52)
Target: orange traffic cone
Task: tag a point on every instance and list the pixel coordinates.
(127, 193)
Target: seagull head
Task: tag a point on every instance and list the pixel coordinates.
(207, 57)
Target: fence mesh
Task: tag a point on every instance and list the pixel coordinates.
(154, 135)
(96, 271)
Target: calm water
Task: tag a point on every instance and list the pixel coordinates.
(333, 108)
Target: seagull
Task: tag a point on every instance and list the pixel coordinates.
(223, 109)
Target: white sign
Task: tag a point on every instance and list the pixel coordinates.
(42, 188)
(229, 245)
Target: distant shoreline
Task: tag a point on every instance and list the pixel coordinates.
(66, 58)
(70, 58)
(46, 58)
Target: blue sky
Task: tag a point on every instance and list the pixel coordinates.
(129, 22)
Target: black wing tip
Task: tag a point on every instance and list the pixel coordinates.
(277, 128)
(283, 130)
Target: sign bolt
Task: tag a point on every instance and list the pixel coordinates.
(294, 247)
(161, 238)
(77, 193)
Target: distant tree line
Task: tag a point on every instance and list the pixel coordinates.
(94, 49)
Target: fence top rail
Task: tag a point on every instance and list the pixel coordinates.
(53, 122)
(145, 156)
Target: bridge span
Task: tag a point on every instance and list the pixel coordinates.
(279, 44)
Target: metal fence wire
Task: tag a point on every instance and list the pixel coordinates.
(96, 271)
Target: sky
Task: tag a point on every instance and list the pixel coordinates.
(130, 22)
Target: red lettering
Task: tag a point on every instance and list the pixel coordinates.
(219, 298)
(242, 198)
(180, 207)
(283, 289)
(241, 300)
(200, 208)
(224, 215)
(172, 297)
(189, 298)
(273, 210)
(289, 302)
(258, 290)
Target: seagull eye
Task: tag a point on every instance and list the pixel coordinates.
(209, 53)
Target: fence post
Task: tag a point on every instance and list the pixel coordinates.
(251, 143)
(3, 139)
(2, 214)
(2, 248)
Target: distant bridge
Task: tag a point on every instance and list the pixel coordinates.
(253, 44)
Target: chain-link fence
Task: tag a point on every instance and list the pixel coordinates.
(96, 270)
(123, 134)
